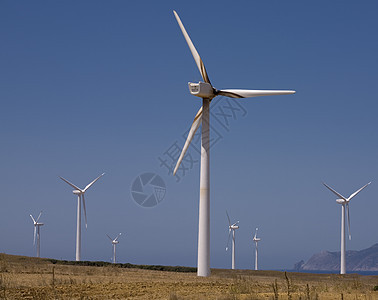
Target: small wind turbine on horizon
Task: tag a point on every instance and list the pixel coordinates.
(114, 243)
(80, 195)
(345, 206)
(37, 226)
(232, 228)
(256, 240)
(207, 92)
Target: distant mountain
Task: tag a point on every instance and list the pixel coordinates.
(363, 260)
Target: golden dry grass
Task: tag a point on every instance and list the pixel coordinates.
(32, 278)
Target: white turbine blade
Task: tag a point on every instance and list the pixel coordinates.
(32, 219)
(350, 236)
(196, 123)
(236, 93)
(35, 232)
(109, 237)
(356, 192)
(255, 234)
(117, 236)
(85, 212)
(39, 217)
(197, 58)
(89, 185)
(333, 191)
(228, 240)
(71, 184)
(228, 217)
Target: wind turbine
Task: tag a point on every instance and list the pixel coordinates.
(37, 225)
(80, 194)
(207, 92)
(345, 205)
(114, 243)
(256, 240)
(232, 228)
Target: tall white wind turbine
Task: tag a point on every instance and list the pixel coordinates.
(231, 229)
(80, 195)
(256, 240)
(114, 243)
(345, 206)
(207, 92)
(37, 226)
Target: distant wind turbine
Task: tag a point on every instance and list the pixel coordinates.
(207, 92)
(36, 232)
(232, 228)
(80, 194)
(114, 243)
(256, 240)
(345, 205)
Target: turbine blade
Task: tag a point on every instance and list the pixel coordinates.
(85, 212)
(32, 219)
(350, 236)
(71, 184)
(356, 192)
(39, 216)
(35, 232)
(236, 93)
(333, 191)
(228, 240)
(117, 236)
(196, 123)
(89, 185)
(109, 237)
(197, 58)
(228, 217)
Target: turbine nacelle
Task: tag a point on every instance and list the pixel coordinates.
(77, 192)
(341, 201)
(234, 227)
(202, 90)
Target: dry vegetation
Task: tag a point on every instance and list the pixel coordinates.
(31, 278)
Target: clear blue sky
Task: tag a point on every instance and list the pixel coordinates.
(95, 86)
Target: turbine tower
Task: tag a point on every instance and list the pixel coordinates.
(256, 240)
(114, 243)
(80, 195)
(344, 206)
(37, 226)
(207, 92)
(232, 228)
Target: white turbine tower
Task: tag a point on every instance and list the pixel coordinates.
(345, 205)
(114, 243)
(80, 194)
(256, 240)
(37, 225)
(207, 92)
(232, 228)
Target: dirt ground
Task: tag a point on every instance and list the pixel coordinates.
(32, 278)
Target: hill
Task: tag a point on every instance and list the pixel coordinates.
(363, 260)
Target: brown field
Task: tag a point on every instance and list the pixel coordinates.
(32, 278)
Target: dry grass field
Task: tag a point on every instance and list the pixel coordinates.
(32, 278)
